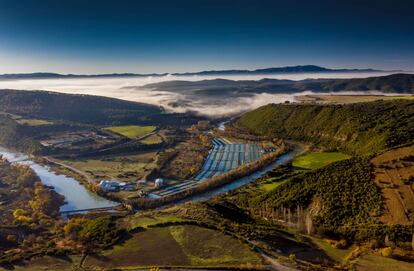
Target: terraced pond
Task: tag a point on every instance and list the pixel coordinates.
(223, 157)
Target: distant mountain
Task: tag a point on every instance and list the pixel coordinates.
(400, 83)
(49, 75)
(288, 69)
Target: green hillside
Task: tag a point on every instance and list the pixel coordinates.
(359, 128)
(401, 83)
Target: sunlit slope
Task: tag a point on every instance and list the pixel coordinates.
(357, 128)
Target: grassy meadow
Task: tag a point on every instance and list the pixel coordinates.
(315, 160)
(131, 131)
(152, 139)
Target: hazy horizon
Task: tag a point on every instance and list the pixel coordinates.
(132, 89)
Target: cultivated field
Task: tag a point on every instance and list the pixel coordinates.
(224, 157)
(394, 171)
(184, 245)
(117, 167)
(30, 122)
(132, 131)
(152, 139)
(317, 160)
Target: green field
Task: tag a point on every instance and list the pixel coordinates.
(146, 221)
(315, 160)
(183, 245)
(33, 122)
(270, 186)
(339, 255)
(152, 139)
(131, 131)
(378, 263)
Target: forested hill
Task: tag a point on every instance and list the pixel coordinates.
(395, 83)
(401, 83)
(84, 108)
(357, 128)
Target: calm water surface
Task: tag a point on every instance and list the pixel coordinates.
(77, 197)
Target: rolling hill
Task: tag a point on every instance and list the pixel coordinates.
(86, 109)
(356, 128)
(395, 83)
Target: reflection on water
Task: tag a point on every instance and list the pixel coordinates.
(77, 197)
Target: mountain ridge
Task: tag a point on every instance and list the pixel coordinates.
(271, 70)
(398, 83)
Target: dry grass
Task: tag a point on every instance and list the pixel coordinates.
(115, 167)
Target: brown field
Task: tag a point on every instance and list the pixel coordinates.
(390, 169)
(187, 161)
(125, 167)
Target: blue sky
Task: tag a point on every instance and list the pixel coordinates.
(175, 36)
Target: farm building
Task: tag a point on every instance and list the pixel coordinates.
(109, 186)
(159, 182)
(127, 186)
(113, 186)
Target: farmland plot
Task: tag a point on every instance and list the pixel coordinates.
(223, 157)
(392, 170)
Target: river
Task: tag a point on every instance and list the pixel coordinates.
(283, 159)
(77, 197)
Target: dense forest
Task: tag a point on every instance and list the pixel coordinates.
(26, 205)
(348, 197)
(359, 128)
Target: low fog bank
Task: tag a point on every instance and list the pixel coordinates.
(213, 106)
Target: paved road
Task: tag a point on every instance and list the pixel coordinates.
(80, 172)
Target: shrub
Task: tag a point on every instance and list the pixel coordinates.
(386, 252)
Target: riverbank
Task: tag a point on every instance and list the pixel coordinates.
(77, 196)
(52, 171)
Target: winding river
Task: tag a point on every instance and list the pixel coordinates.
(77, 197)
(283, 159)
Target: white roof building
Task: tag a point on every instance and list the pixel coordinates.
(159, 182)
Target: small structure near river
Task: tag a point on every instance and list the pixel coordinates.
(114, 186)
